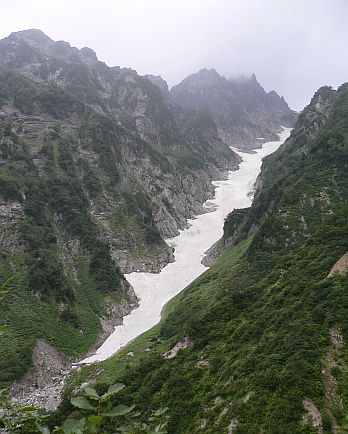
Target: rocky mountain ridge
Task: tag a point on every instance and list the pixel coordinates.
(246, 116)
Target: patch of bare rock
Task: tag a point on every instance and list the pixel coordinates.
(313, 416)
(181, 345)
(341, 266)
(42, 385)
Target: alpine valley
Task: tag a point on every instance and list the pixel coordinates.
(257, 344)
(98, 167)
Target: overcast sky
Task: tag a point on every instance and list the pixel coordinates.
(293, 46)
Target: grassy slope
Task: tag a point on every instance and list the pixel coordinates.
(262, 317)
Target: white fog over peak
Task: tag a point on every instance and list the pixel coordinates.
(292, 46)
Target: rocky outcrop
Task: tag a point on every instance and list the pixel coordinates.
(11, 212)
(333, 363)
(203, 363)
(233, 232)
(115, 312)
(161, 84)
(313, 416)
(318, 111)
(341, 266)
(181, 345)
(232, 426)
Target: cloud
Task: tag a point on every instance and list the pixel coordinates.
(293, 46)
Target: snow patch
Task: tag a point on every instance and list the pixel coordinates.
(154, 290)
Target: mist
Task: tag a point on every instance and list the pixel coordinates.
(293, 47)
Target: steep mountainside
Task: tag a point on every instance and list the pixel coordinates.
(263, 333)
(244, 113)
(94, 173)
(134, 101)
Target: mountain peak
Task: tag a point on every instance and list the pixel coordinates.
(204, 75)
(89, 53)
(44, 45)
(240, 107)
(33, 35)
(253, 77)
(211, 73)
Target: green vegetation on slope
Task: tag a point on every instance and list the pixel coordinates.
(262, 319)
(62, 271)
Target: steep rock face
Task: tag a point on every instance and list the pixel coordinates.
(161, 84)
(135, 102)
(137, 106)
(244, 113)
(140, 104)
(53, 248)
(200, 141)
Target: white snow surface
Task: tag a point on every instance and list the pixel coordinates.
(154, 290)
